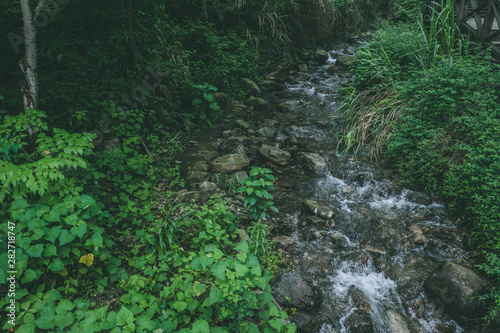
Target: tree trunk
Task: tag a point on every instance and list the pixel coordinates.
(28, 65)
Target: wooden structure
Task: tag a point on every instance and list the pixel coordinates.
(481, 20)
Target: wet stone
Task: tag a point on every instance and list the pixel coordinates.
(207, 189)
(318, 209)
(304, 322)
(344, 61)
(358, 299)
(256, 102)
(292, 290)
(243, 124)
(276, 155)
(231, 162)
(397, 323)
(197, 176)
(313, 162)
(232, 146)
(266, 132)
(457, 288)
(360, 322)
(418, 235)
(210, 156)
(200, 166)
(332, 70)
(338, 241)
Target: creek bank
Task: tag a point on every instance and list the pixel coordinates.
(367, 244)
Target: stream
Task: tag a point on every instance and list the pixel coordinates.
(364, 240)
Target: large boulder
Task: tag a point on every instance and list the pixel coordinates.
(256, 102)
(321, 56)
(232, 146)
(360, 322)
(276, 155)
(318, 209)
(456, 288)
(409, 272)
(396, 322)
(304, 322)
(231, 162)
(207, 189)
(344, 61)
(313, 162)
(250, 87)
(266, 132)
(268, 85)
(292, 290)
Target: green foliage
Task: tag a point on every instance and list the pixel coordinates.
(440, 36)
(151, 275)
(256, 188)
(229, 182)
(260, 245)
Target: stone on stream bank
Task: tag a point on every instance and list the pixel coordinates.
(275, 155)
(397, 323)
(318, 209)
(292, 290)
(321, 56)
(256, 102)
(344, 61)
(313, 162)
(360, 322)
(250, 87)
(457, 289)
(231, 162)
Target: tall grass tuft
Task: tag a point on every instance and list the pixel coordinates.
(439, 35)
(367, 118)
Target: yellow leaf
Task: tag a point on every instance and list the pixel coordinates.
(87, 259)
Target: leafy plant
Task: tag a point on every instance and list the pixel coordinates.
(228, 182)
(256, 188)
(260, 245)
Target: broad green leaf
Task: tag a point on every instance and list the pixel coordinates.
(242, 247)
(219, 270)
(124, 317)
(64, 320)
(71, 219)
(199, 288)
(46, 319)
(64, 306)
(205, 261)
(200, 326)
(179, 306)
(53, 234)
(240, 270)
(65, 237)
(26, 328)
(35, 251)
(56, 265)
(50, 251)
(256, 271)
(29, 276)
(195, 264)
(28, 318)
(242, 256)
(145, 323)
(276, 324)
(18, 204)
(79, 230)
(97, 238)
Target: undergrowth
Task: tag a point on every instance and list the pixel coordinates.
(426, 101)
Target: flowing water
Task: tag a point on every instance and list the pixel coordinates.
(366, 257)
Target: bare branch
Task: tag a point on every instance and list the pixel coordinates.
(38, 9)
